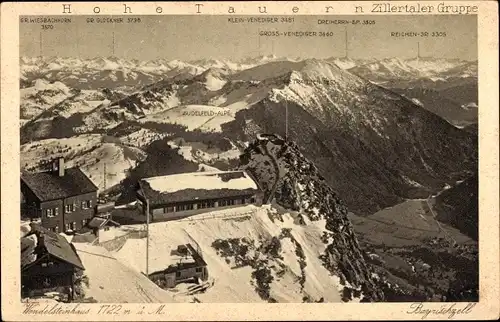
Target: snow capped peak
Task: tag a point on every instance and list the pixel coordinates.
(263, 59)
(214, 78)
(343, 62)
(42, 84)
(320, 69)
(267, 57)
(428, 65)
(179, 64)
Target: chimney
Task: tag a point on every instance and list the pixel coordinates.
(59, 166)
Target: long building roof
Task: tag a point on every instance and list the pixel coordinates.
(197, 185)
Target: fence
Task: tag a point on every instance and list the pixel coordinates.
(217, 216)
(118, 242)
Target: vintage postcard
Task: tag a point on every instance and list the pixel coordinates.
(250, 160)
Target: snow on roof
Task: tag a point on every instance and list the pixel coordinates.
(237, 180)
(197, 185)
(57, 245)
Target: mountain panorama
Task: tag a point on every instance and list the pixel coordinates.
(363, 166)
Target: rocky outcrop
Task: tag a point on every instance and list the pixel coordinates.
(301, 188)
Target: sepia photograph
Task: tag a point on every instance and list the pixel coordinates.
(248, 159)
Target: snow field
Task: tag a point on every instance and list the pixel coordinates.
(193, 117)
(235, 285)
(112, 282)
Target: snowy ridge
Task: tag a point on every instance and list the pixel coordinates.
(319, 84)
(299, 187)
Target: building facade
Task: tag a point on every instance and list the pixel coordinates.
(190, 270)
(182, 195)
(55, 265)
(63, 199)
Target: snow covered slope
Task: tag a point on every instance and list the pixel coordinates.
(41, 96)
(272, 248)
(112, 282)
(205, 117)
(89, 152)
(287, 177)
(335, 117)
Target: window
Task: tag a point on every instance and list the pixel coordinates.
(53, 212)
(229, 202)
(70, 208)
(66, 227)
(44, 264)
(243, 201)
(199, 269)
(185, 207)
(252, 200)
(169, 209)
(86, 204)
(84, 222)
(73, 225)
(178, 274)
(56, 229)
(206, 204)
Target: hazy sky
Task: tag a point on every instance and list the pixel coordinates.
(196, 37)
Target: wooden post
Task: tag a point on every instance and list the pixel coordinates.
(147, 227)
(147, 237)
(72, 293)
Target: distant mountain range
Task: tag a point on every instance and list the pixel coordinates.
(411, 69)
(119, 69)
(446, 87)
